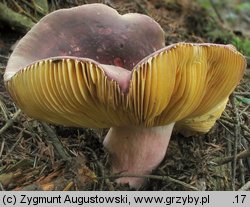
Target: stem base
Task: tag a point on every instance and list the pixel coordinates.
(137, 150)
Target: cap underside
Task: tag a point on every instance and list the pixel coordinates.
(201, 123)
(176, 83)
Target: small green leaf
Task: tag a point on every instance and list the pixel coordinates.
(244, 100)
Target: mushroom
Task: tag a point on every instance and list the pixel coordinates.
(89, 66)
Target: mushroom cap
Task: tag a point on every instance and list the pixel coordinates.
(70, 69)
(94, 31)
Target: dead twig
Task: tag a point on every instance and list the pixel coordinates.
(241, 155)
(4, 57)
(52, 137)
(245, 146)
(244, 111)
(36, 7)
(1, 187)
(242, 172)
(19, 138)
(2, 147)
(68, 186)
(225, 127)
(14, 19)
(156, 177)
(236, 140)
(245, 187)
(242, 93)
(230, 123)
(10, 122)
(4, 110)
(22, 11)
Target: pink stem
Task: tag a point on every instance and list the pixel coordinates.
(137, 150)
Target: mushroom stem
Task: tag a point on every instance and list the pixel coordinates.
(137, 150)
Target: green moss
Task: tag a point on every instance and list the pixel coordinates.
(243, 7)
(242, 44)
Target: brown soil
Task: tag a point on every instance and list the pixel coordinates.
(29, 161)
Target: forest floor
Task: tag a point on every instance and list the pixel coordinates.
(30, 158)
